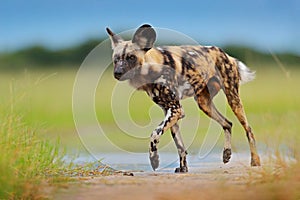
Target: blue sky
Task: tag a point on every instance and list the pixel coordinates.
(264, 24)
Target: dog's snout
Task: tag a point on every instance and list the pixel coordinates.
(120, 69)
(118, 73)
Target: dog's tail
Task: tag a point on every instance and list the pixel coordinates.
(246, 75)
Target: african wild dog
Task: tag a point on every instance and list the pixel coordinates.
(171, 73)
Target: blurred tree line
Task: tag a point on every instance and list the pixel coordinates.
(40, 57)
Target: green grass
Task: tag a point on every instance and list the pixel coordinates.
(32, 164)
(28, 161)
(25, 159)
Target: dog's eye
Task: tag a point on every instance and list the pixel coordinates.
(116, 59)
(131, 58)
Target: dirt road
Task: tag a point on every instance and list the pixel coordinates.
(226, 182)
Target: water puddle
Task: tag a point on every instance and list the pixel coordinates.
(139, 162)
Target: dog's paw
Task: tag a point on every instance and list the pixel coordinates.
(226, 155)
(255, 161)
(154, 160)
(181, 169)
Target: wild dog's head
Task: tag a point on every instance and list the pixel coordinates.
(128, 56)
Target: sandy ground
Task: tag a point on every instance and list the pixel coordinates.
(205, 183)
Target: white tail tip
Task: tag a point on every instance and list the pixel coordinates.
(246, 74)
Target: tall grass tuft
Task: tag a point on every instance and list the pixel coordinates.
(279, 177)
(25, 159)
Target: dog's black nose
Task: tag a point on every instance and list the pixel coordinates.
(118, 73)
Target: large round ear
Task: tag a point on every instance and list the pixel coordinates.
(115, 39)
(144, 37)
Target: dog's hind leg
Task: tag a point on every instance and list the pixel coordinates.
(238, 109)
(205, 103)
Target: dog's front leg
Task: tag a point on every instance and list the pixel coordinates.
(173, 114)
